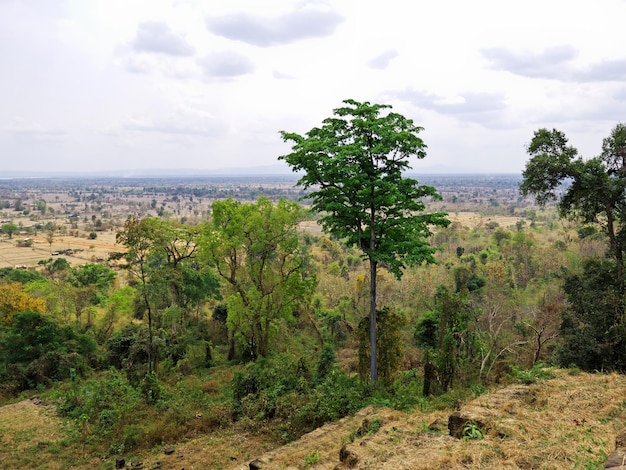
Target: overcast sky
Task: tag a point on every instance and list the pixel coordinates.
(88, 85)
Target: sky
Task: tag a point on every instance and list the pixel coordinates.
(101, 85)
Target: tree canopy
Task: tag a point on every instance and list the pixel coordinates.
(594, 192)
(255, 249)
(356, 162)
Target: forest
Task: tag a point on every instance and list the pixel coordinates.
(247, 306)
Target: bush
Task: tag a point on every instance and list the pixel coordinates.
(284, 391)
(337, 396)
(37, 351)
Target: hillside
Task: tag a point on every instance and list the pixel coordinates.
(567, 421)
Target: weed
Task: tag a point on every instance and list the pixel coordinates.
(311, 459)
(614, 413)
(530, 376)
(591, 455)
(574, 370)
(472, 432)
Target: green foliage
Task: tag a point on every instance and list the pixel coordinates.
(326, 362)
(530, 376)
(35, 350)
(10, 229)
(447, 336)
(54, 266)
(311, 459)
(150, 388)
(128, 349)
(22, 276)
(256, 250)
(586, 231)
(472, 432)
(592, 329)
(592, 455)
(358, 158)
(356, 162)
(390, 348)
(596, 190)
(337, 396)
(282, 390)
(161, 257)
(465, 278)
(92, 274)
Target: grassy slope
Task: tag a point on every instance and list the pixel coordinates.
(569, 421)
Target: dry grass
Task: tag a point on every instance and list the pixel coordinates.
(566, 422)
(31, 436)
(475, 219)
(87, 251)
(570, 421)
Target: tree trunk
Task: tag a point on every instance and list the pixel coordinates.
(373, 345)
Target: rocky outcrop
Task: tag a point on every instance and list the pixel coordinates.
(617, 460)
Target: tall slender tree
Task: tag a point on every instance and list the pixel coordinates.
(355, 163)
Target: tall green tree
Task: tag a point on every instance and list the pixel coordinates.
(596, 191)
(355, 162)
(137, 237)
(447, 336)
(256, 250)
(595, 194)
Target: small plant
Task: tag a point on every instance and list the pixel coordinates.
(574, 370)
(591, 454)
(530, 376)
(472, 432)
(311, 459)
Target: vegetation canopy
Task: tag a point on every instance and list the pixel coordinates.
(355, 162)
(596, 195)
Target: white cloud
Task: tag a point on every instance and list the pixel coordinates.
(226, 64)
(112, 84)
(156, 37)
(302, 23)
(382, 61)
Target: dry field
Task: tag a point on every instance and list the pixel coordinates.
(474, 219)
(85, 250)
(88, 251)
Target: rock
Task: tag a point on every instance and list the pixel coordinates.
(137, 465)
(617, 460)
(348, 457)
(459, 419)
(256, 464)
(168, 450)
(438, 426)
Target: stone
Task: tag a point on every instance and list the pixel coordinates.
(348, 457)
(256, 465)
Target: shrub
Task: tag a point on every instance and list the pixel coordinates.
(36, 351)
